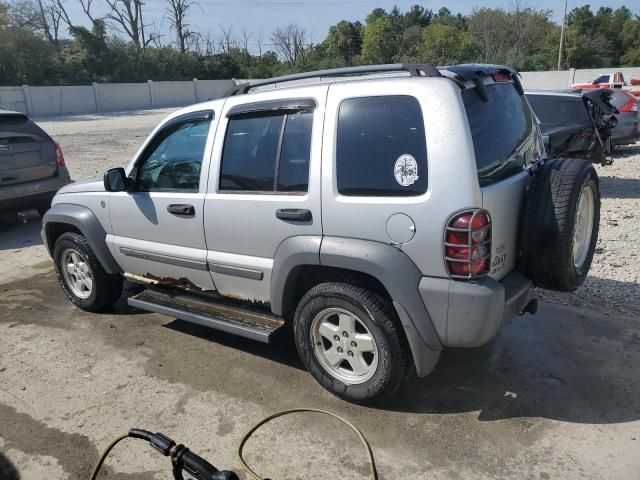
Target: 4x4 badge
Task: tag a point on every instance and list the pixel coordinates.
(406, 170)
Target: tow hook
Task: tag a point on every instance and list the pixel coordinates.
(532, 307)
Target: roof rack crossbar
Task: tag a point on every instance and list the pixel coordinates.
(414, 69)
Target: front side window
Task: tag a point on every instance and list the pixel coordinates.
(381, 147)
(174, 159)
(267, 153)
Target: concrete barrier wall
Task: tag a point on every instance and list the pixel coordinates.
(122, 96)
(108, 97)
(170, 94)
(559, 80)
(62, 100)
(13, 98)
(212, 89)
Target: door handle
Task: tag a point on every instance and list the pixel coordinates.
(294, 214)
(181, 209)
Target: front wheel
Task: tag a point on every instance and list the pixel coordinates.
(81, 275)
(350, 340)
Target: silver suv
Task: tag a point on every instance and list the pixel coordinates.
(385, 212)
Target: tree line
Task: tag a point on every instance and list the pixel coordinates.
(41, 45)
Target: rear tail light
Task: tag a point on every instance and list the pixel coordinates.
(59, 155)
(467, 244)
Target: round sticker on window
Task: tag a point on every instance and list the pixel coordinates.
(406, 170)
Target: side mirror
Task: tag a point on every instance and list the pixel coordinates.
(115, 180)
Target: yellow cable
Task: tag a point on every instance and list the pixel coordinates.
(374, 472)
(106, 451)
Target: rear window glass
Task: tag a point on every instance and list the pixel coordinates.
(381, 147)
(556, 111)
(498, 127)
(19, 129)
(293, 168)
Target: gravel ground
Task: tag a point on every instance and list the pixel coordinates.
(553, 396)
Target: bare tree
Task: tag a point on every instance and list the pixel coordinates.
(259, 42)
(127, 16)
(290, 42)
(44, 16)
(176, 12)
(227, 40)
(58, 6)
(40, 15)
(86, 8)
(245, 38)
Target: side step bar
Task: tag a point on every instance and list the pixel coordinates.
(239, 321)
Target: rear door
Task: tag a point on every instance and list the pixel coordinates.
(505, 139)
(27, 153)
(264, 186)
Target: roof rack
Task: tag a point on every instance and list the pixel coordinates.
(414, 69)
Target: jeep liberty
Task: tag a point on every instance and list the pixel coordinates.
(383, 212)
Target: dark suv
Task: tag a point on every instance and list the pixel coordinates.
(32, 166)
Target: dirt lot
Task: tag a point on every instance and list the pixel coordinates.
(553, 396)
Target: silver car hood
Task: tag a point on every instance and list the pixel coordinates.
(95, 184)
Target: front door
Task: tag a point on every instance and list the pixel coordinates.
(264, 186)
(158, 225)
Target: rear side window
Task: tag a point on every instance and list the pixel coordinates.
(499, 127)
(267, 153)
(381, 147)
(558, 110)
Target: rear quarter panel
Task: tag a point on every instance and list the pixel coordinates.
(452, 179)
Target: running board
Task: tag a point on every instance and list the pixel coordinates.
(239, 321)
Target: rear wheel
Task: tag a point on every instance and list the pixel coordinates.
(350, 340)
(81, 275)
(562, 218)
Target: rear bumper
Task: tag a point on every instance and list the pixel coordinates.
(30, 195)
(469, 314)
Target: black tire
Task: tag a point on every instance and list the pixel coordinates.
(549, 222)
(394, 363)
(106, 288)
(7, 470)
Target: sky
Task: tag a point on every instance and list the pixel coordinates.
(261, 17)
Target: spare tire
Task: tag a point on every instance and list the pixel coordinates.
(560, 224)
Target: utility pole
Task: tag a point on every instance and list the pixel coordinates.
(562, 35)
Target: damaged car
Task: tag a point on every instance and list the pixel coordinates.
(576, 124)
